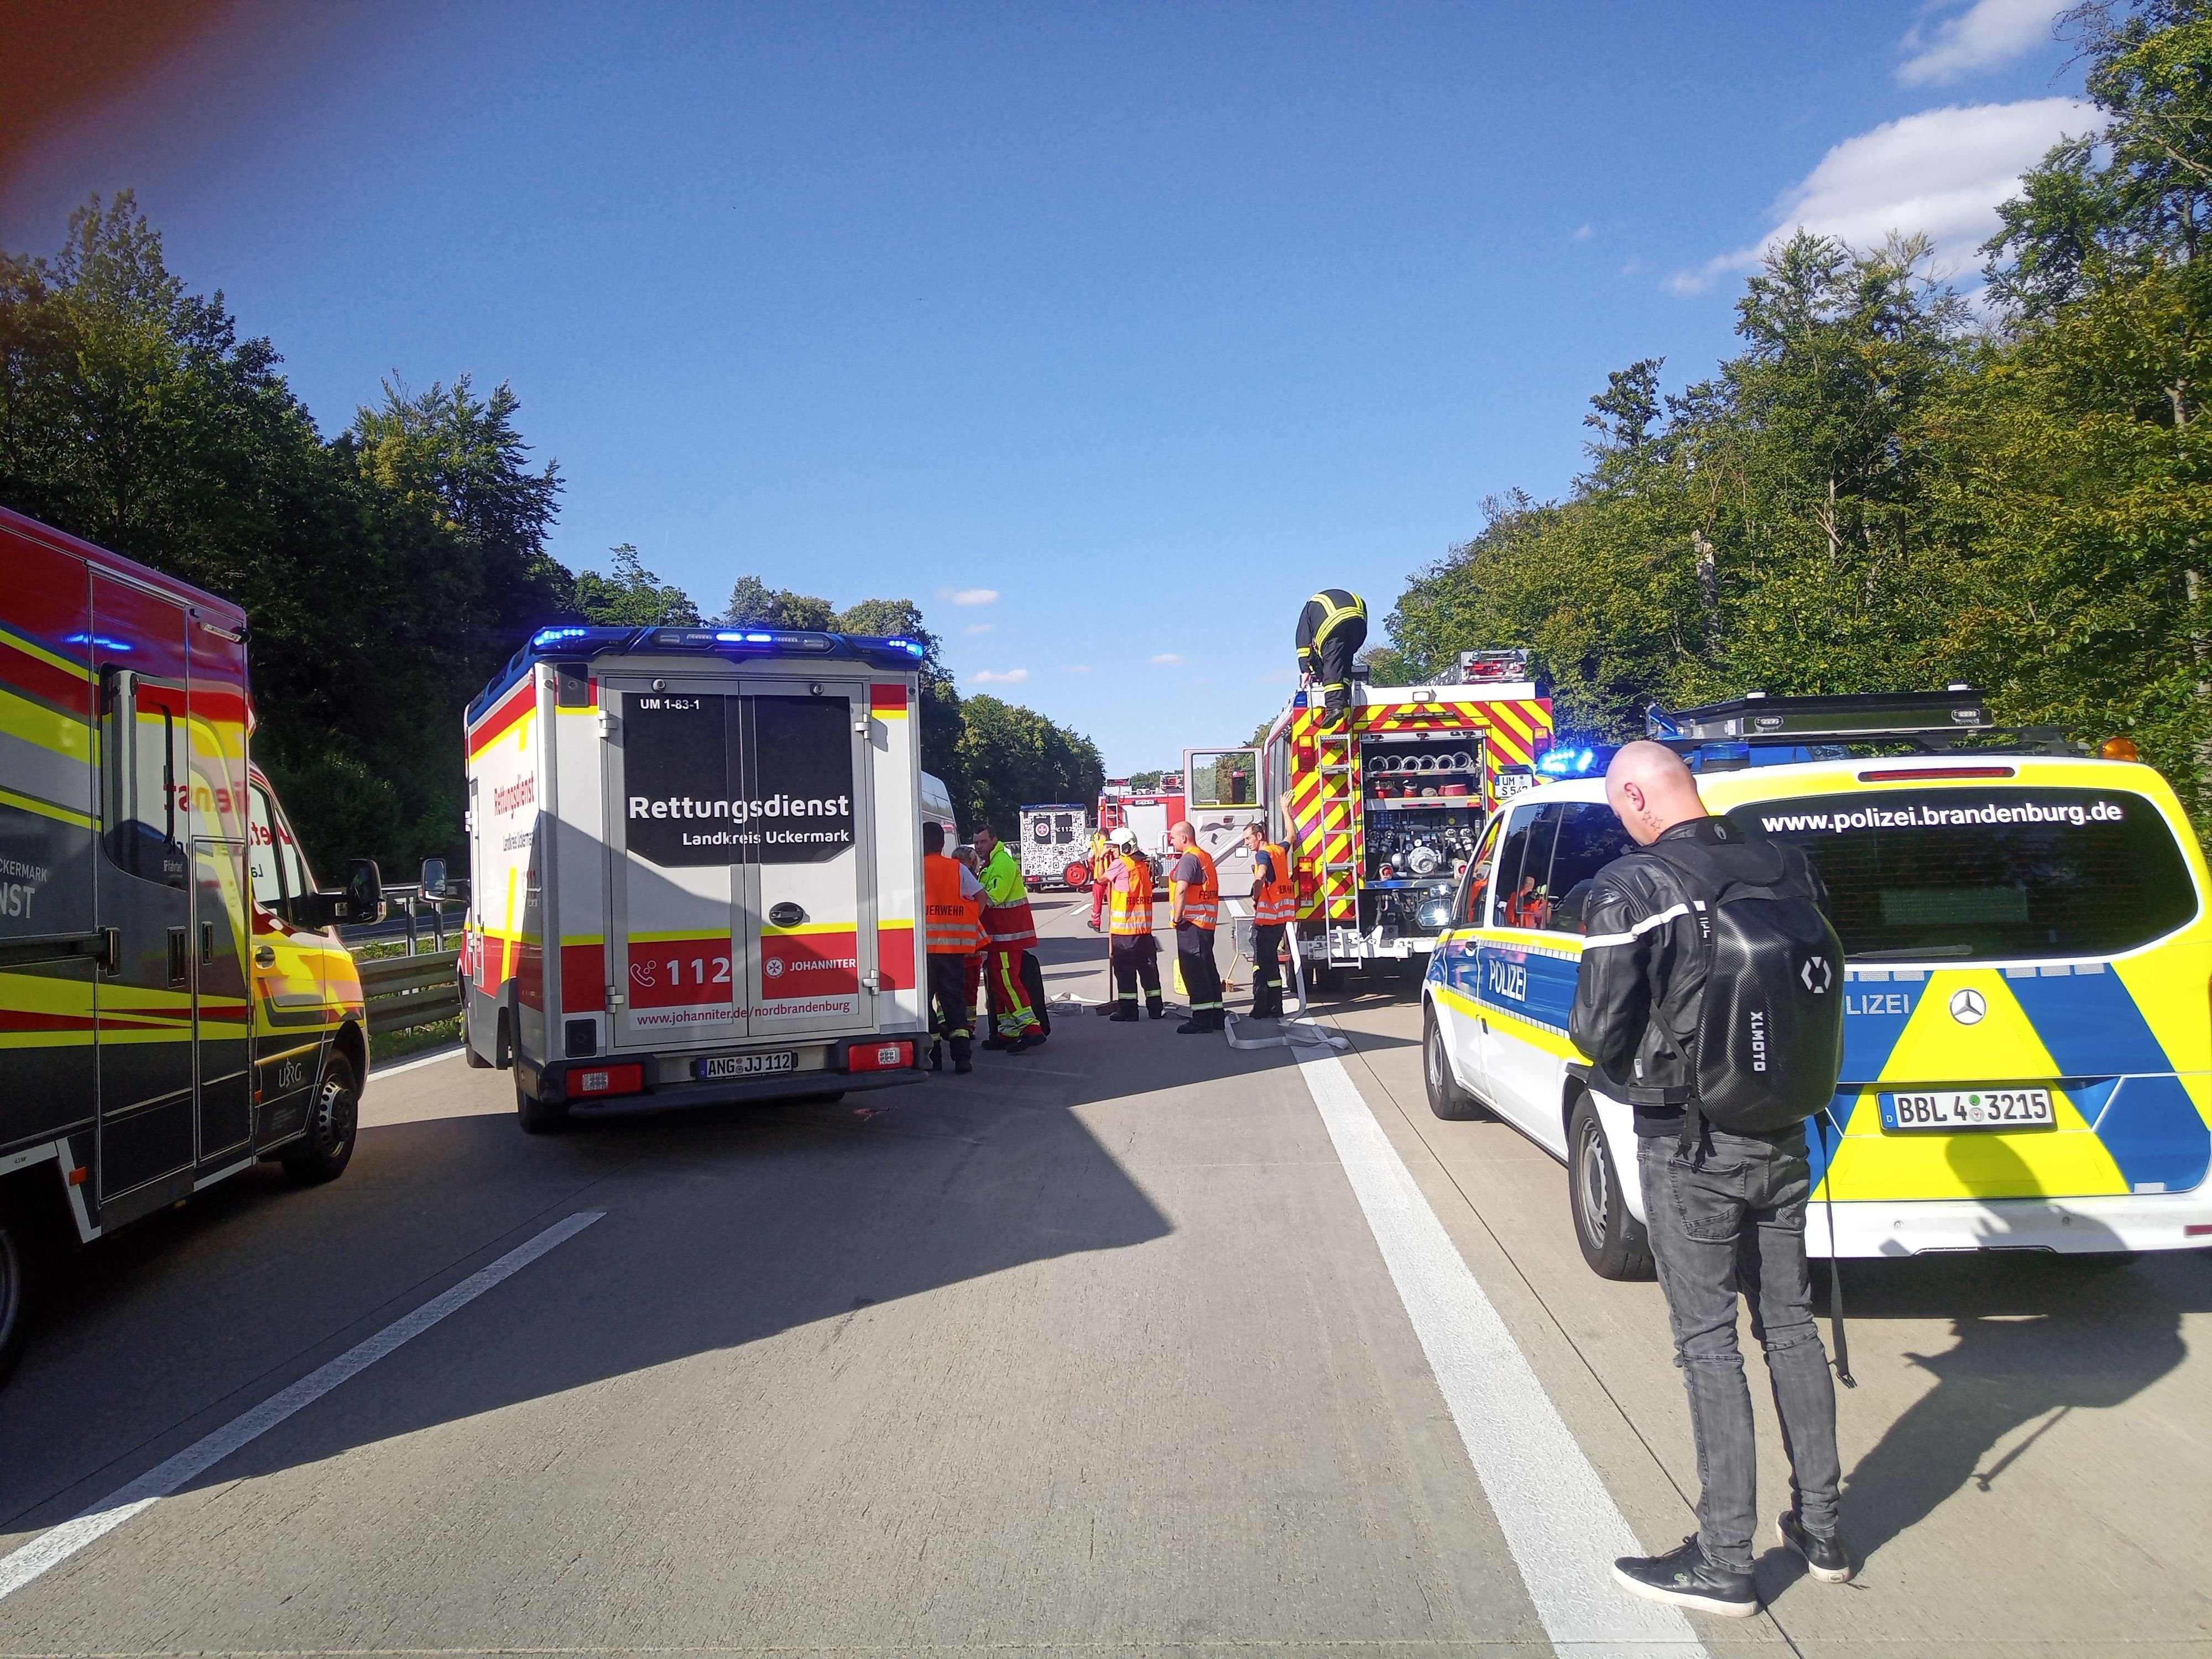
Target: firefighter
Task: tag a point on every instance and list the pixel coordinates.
(954, 899)
(1274, 906)
(1133, 952)
(1331, 629)
(1194, 910)
(1102, 874)
(1012, 930)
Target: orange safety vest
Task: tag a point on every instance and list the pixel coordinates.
(1129, 911)
(1276, 901)
(955, 927)
(1201, 899)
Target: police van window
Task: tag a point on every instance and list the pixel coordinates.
(1987, 874)
(1590, 837)
(1523, 861)
(145, 774)
(1475, 890)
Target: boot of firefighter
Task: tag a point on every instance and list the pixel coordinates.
(1155, 1007)
(937, 1057)
(961, 1061)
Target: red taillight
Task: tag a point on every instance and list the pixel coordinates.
(876, 1057)
(2198, 1230)
(607, 1081)
(1915, 774)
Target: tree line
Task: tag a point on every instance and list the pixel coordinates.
(388, 570)
(1891, 486)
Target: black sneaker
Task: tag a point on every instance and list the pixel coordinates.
(995, 1044)
(1686, 1579)
(1025, 1042)
(1826, 1558)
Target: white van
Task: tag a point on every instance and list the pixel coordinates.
(695, 856)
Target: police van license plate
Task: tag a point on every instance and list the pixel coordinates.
(746, 1064)
(1967, 1108)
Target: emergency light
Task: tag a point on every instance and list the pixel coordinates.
(1558, 762)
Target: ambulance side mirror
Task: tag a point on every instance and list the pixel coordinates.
(362, 901)
(434, 878)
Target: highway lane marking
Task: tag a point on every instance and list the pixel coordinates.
(397, 1067)
(1561, 1524)
(51, 1548)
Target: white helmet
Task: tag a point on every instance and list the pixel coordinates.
(1123, 837)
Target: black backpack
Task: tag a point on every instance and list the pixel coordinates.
(1769, 1043)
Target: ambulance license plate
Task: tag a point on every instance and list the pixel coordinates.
(745, 1065)
(1967, 1108)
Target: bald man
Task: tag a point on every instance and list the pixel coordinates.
(1725, 1213)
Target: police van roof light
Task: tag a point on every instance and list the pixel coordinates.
(1558, 762)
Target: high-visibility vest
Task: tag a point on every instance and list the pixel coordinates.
(1129, 910)
(1201, 899)
(1008, 925)
(1102, 859)
(955, 925)
(1277, 900)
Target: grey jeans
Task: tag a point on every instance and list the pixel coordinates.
(1733, 1223)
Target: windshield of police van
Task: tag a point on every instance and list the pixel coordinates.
(1982, 874)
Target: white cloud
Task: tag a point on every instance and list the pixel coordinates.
(976, 628)
(1012, 676)
(1077, 668)
(969, 595)
(1581, 235)
(1941, 172)
(1987, 33)
(1167, 657)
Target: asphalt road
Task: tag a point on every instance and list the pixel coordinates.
(1137, 1343)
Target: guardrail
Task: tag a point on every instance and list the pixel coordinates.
(404, 991)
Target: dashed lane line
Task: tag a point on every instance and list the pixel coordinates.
(53, 1547)
(1561, 1524)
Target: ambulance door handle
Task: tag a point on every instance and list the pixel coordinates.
(207, 941)
(264, 955)
(874, 981)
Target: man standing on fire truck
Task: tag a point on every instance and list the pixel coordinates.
(1194, 910)
(1012, 930)
(1274, 906)
(1331, 629)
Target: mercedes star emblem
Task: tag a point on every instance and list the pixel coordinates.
(1967, 1006)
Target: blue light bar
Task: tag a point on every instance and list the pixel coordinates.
(1566, 763)
(912, 648)
(731, 636)
(547, 639)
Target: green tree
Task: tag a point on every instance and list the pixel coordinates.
(633, 597)
(1010, 755)
(752, 603)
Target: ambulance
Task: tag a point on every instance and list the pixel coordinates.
(2027, 1056)
(175, 1005)
(695, 859)
(1056, 844)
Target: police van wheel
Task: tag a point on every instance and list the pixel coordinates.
(1614, 1241)
(535, 1116)
(15, 1288)
(333, 1125)
(1446, 1098)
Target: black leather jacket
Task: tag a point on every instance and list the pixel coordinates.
(1643, 966)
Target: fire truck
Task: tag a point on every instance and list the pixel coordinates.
(1381, 812)
(1145, 813)
(696, 867)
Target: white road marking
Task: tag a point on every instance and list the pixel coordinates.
(396, 1068)
(1561, 1524)
(51, 1548)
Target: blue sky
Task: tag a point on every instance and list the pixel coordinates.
(1143, 320)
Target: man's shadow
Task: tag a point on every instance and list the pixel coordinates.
(2036, 1337)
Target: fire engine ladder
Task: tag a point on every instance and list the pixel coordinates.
(1333, 753)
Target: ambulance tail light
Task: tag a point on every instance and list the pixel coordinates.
(2121, 749)
(591, 1081)
(878, 1056)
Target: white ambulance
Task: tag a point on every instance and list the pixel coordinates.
(696, 867)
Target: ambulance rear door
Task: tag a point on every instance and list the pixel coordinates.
(739, 882)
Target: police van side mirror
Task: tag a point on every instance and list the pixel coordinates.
(434, 878)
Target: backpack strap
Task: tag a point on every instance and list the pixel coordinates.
(1704, 898)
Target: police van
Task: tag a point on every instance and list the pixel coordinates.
(695, 861)
(2027, 1037)
(175, 1005)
